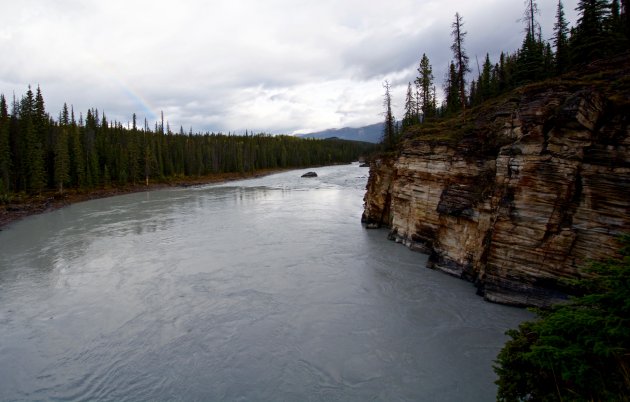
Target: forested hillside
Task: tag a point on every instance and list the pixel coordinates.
(602, 32)
(515, 182)
(38, 152)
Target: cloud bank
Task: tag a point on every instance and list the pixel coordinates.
(278, 66)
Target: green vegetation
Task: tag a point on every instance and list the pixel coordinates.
(602, 32)
(579, 351)
(39, 153)
(390, 131)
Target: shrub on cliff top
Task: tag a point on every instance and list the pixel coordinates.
(578, 351)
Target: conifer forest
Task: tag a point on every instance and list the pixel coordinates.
(602, 31)
(39, 152)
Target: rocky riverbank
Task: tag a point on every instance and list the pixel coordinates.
(520, 193)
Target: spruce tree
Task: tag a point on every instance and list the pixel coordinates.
(77, 158)
(45, 140)
(424, 82)
(5, 150)
(389, 135)
(62, 160)
(33, 170)
(410, 108)
(561, 40)
(65, 116)
(530, 64)
(616, 32)
(453, 101)
(533, 27)
(460, 56)
(485, 87)
(590, 41)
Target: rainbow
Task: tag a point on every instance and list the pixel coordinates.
(137, 98)
(140, 101)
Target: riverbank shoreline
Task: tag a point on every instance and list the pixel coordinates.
(22, 205)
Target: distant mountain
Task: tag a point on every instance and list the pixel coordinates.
(372, 133)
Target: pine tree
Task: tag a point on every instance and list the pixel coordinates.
(41, 122)
(485, 87)
(530, 65)
(460, 56)
(453, 101)
(615, 30)
(548, 61)
(389, 135)
(533, 27)
(77, 158)
(5, 150)
(62, 160)
(590, 41)
(424, 82)
(561, 40)
(410, 109)
(32, 170)
(65, 116)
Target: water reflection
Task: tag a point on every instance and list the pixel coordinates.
(266, 289)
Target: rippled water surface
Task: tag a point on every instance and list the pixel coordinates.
(259, 290)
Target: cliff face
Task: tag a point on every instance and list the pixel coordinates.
(522, 194)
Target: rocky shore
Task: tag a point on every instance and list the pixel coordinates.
(519, 194)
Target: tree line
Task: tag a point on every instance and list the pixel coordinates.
(602, 31)
(38, 152)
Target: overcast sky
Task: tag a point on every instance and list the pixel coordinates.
(278, 66)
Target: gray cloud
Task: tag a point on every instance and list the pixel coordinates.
(225, 65)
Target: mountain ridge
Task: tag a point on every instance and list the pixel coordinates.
(370, 133)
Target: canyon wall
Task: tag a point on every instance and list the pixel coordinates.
(522, 193)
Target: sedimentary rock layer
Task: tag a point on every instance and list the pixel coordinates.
(526, 192)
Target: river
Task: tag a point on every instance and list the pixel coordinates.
(266, 289)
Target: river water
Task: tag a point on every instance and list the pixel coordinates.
(259, 290)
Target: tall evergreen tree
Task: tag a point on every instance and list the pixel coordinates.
(389, 134)
(33, 168)
(62, 160)
(460, 57)
(590, 41)
(618, 36)
(533, 27)
(65, 115)
(410, 117)
(424, 82)
(451, 87)
(5, 150)
(531, 57)
(77, 158)
(485, 84)
(561, 39)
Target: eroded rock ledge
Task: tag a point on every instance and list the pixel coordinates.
(536, 184)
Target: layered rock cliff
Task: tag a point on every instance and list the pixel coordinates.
(517, 195)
